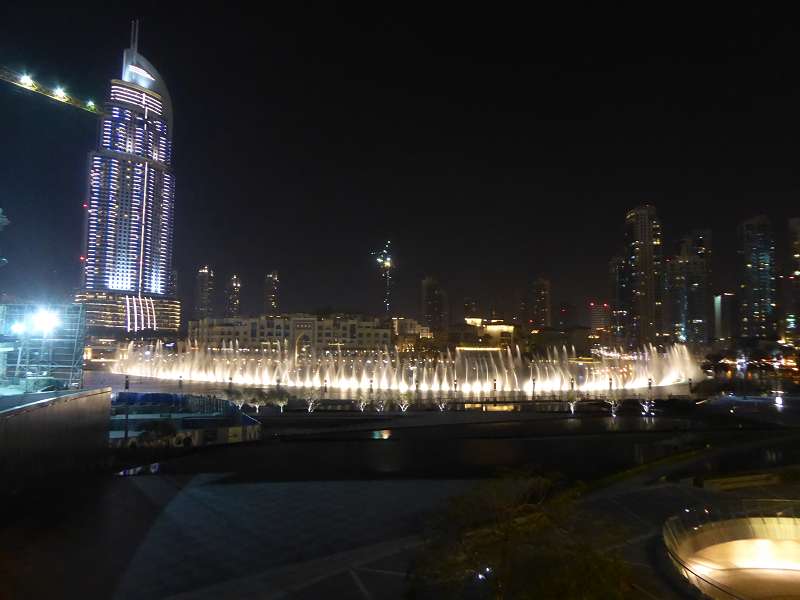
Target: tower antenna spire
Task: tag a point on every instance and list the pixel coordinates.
(135, 35)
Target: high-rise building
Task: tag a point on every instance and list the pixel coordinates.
(271, 298)
(540, 308)
(172, 286)
(790, 289)
(471, 308)
(757, 293)
(644, 275)
(689, 304)
(567, 316)
(435, 309)
(127, 255)
(620, 298)
(386, 266)
(599, 316)
(233, 296)
(725, 317)
(204, 293)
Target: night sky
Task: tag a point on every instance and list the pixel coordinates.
(489, 146)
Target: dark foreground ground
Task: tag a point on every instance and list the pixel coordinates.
(326, 509)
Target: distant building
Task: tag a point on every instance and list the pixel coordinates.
(790, 289)
(470, 307)
(540, 307)
(271, 293)
(689, 303)
(130, 208)
(567, 316)
(408, 332)
(599, 316)
(204, 293)
(403, 326)
(435, 308)
(476, 332)
(757, 289)
(298, 332)
(620, 299)
(233, 296)
(644, 275)
(726, 317)
(543, 339)
(172, 286)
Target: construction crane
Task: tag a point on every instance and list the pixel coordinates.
(58, 94)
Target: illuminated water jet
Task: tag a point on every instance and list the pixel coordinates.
(466, 374)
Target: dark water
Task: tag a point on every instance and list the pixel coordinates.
(578, 448)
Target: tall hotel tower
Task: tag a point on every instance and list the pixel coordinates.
(127, 258)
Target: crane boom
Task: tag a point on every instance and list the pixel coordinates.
(58, 94)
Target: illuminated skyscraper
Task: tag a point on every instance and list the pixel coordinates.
(757, 297)
(204, 293)
(643, 276)
(599, 316)
(689, 304)
(233, 296)
(790, 289)
(127, 257)
(271, 291)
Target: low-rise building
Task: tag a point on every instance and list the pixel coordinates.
(408, 332)
(299, 332)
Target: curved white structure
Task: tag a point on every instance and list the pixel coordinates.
(754, 556)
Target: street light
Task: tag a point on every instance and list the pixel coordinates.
(44, 321)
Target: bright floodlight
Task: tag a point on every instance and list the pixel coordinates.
(45, 321)
(18, 328)
(90, 104)
(60, 93)
(26, 80)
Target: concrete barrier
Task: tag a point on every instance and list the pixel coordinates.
(46, 437)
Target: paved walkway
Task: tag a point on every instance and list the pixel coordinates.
(212, 531)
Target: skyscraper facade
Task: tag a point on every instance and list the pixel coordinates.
(204, 293)
(128, 238)
(233, 296)
(644, 276)
(725, 317)
(757, 286)
(620, 298)
(689, 302)
(471, 308)
(599, 316)
(540, 307)
(790, 300)
(271, 293)
(566, 316)
(435, 308)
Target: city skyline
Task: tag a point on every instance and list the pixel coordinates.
(502, 257)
